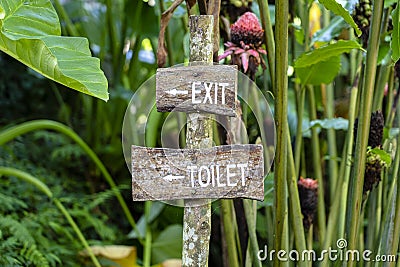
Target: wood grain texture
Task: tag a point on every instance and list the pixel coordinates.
(175, 89)
(197, 213)
(234, 171)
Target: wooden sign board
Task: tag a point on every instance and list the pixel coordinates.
(210, 89)
(234, 171)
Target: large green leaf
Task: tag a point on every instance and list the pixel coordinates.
(395, 43)
(322, 64)
(325, 52)
(321, 72)
(339, 10)
(168, 245)
(335, 123)
(30, 32)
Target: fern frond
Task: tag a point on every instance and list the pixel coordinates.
(87, 220)
(31, 254)
(95, 200)
(10, 203)
(67, 152)
(16, 229)
(50, 137)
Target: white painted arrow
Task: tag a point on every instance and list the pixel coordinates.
(175, 92)
(171, 177)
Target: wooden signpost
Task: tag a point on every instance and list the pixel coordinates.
(200, 171)
(217, 172)
(210, 89)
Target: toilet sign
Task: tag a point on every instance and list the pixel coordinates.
(230, 171)
(209, 89)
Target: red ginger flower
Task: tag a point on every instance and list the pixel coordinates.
(247, 29)
(245, 48)
(308, 194)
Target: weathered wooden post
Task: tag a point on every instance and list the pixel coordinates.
(200, 171)
(199, 134)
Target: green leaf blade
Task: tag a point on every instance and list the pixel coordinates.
(395, 42)
(335, 123)
(30, 33)
(325, 52)
(321, 72)
(339, 10)
(322, 64)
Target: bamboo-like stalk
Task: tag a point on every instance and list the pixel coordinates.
(390, 99)
(269, 37)
(372, 220)
(251, 225)
(229, 232)
(396, 173)
(382, 78)
(299, 130)
(347, 161)
(385, 234)
(148, 238)
(72, 31)
(281, 87)
(26, 127)
(295, 209)
(42, 187)
(331, 134)
(317, 166)
(112, 28)
(337, 212)
(357, 180)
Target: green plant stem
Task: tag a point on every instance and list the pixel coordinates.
(331, 134)
(310, 240)
(255, 96)
(269, 37)
(381, 79)
(148, 240)
(229, 232)
(281, 87)
(391, 112)
(357, 181)
(338, 207)
(23, 128)
(251, 225)
(72, 31)
(331, 227)
(299, 130)
(115, 44)
(347, 161)
(42, 187)
(295, 209)
(396, 173)
(354, 54)
(372, 220)
(317, 166)
(390, 99)
(384, 235)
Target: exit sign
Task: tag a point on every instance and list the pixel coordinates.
(210, 89)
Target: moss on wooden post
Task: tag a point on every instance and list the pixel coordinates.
(197, 217)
